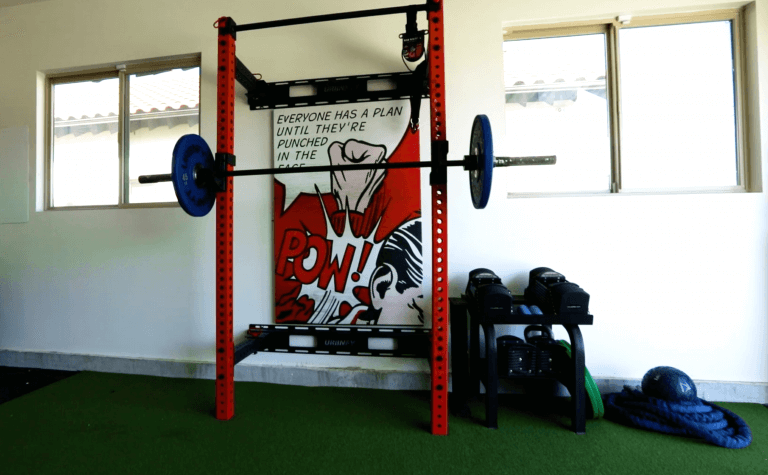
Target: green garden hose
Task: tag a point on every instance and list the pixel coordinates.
(589, 384)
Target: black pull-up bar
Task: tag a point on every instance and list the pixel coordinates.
(429, 6)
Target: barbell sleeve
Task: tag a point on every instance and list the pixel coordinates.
(471, 161)
(154, 178)
(518, 161)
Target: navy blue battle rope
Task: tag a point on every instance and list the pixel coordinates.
(697, 418)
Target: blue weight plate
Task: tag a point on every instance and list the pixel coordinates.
(195, 197)
(481, 146)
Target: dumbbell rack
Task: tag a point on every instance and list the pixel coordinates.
(467, 361)
(264, 96)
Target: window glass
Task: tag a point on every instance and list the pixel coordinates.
(678, 120)
(163, 107)
(86, 162)
(556, 105)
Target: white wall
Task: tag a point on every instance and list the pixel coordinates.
(675, 280)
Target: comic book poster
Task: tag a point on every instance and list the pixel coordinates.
(348, 244)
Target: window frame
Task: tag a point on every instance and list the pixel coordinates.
(611, 28)
(120, 71)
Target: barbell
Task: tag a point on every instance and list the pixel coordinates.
(197, 178)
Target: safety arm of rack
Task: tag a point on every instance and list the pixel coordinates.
(246, 78)
(246, 349)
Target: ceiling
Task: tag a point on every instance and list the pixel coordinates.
(10, 3)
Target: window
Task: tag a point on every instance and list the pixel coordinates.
(556, 105)
(641, 105)
(107, 127)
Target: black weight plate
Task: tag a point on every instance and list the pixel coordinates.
(190, 153)
(481, 146)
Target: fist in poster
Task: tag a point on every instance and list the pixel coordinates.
(353, 189)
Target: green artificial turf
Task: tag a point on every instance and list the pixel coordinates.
(108, 423)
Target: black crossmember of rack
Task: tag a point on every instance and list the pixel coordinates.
(408, 9)
(340, 340)
(334, 90)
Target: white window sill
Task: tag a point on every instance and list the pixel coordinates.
(632, 192)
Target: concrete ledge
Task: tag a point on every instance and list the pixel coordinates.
(722, 391)
(278, 374)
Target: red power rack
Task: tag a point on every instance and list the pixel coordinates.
(439, 183)
(231, 69)
(225, 144)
